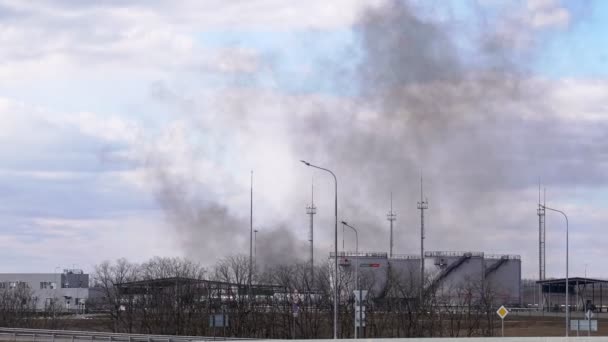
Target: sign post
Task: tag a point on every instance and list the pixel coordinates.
(583, 324)
(360, 296)
(589, 315)
(502, 313)
(295, 300)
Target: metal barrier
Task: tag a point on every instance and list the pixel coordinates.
(18, 334)
(502, 256)
(432, 254)
(382, 255)
(406, 256)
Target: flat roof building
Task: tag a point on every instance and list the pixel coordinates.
(66, 291)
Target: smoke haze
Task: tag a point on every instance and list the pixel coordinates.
(413, 96)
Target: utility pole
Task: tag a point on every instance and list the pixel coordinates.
(336, 290)
(391, 217)
(255, 247)
(311, 211)
(541, 245)
(422, 206)
(250, 234)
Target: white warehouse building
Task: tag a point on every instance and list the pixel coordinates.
(67, 291)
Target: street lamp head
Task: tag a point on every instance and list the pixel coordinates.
(305, 162)
(344, 223)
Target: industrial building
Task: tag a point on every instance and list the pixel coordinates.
(444, 272)
(550, 294)
(67, 291)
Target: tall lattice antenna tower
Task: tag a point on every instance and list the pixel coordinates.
(541, 236)
(422, 206)
(311, 210)
(391, 217)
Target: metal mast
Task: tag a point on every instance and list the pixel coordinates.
(391, 217)
(311, 211)
(422, 206)
(251, 232)
(541, 238)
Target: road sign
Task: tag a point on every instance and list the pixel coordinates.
(589, 314)
(502, 312)
(218, 321)
(295, 308)
(359, 323)
(583, 325)
(362, 293)
(295, 297)
(360, 315)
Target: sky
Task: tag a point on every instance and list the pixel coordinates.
(130, 128)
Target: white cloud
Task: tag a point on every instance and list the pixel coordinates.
(152, 36)
(518, 28)
(547, 14)
(44, 243)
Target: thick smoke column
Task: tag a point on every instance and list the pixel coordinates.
(424, 104)
(449, 99)
(207, 229)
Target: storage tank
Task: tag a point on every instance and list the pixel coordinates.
(404, 269)
(503, 278)
(453, 271)
(372, 268)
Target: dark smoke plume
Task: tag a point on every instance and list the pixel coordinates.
(417, 99)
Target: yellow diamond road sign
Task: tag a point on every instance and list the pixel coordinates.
(502, 312)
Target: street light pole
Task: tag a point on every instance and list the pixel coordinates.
(250, 234)
(567, 279)
(357, 279)
(255, 248)
(336, 292)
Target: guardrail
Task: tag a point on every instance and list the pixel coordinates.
(18, 334)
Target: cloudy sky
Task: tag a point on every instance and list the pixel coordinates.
(129, 128)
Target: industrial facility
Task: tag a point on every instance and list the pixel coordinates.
(447, 274)
(67, 291)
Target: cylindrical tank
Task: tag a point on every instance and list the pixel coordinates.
(453, 271)
(404, 271)
(503, 278)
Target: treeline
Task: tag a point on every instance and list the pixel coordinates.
(300, 305)
(18, 310)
